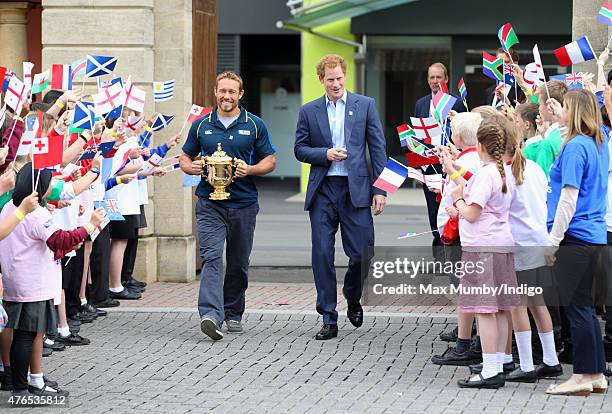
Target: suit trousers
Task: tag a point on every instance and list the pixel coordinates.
(99, 265)
(331, 207)
(72, 275)
(432, 213)
(222, 298)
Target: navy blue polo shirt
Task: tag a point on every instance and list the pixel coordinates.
(246, 139)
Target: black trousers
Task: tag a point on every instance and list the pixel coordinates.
(99, 265)
(72, 275)
(129, 259)
(575, 266)
(432, 213)
(21, 354)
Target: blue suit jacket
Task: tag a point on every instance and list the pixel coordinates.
(361, 126)
(421, 107)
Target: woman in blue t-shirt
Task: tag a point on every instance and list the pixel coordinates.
(576, 222)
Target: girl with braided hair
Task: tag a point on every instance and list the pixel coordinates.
(483, 206)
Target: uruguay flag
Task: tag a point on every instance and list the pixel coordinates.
(163, 91)
(392, 177)
(576, 52)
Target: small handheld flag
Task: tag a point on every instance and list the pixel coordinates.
(47, 151)
(392, 176)
(491, 66)
(426, 129)
(197, 112)
(16, 94)
(99, 65)
(134, 97)
(605, 14)
(78, 67)
(507, 37)
(161, 121)
(41, 81)
(442, 105)
(61, 77)
(573, 80)
(109, 98)
(576, 52)
(83, 117)
(27, 74)
(152, 163)
(462, 89)
(110, 208)
(163, 91)
(405, 132)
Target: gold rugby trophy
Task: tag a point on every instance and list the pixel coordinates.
(219, 172)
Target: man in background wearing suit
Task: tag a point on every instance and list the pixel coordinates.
(332, 133)
(436, 74)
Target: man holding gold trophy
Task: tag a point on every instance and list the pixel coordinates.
(235, 146)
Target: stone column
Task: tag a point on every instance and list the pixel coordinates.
(13, 35)
(176, 245)
(584, 22)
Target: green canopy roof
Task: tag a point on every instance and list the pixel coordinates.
(341, 9)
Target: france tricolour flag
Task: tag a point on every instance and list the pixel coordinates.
(576, 52)
(392, 177)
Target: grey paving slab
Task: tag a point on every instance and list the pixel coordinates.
(160, 362)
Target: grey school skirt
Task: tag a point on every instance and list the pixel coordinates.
(32, 316)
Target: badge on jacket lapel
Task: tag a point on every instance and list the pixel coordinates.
(350, 113)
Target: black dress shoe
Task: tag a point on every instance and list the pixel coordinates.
(477, 368)
(7, 380)
(518, 375)
(452, 357)
(135, 282)
(88, 309)
(490, 383)
(108, 303)
(450, 336)
(84, 317)
(354, 313)
(125, 294)
(327, 332)
(548, 371)
(72, 340)
(101, 312)
(133, 288)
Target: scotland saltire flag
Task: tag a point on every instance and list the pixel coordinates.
(161, 121)
(83, 117)
(99, 65)
(111, 209)
(163, 91)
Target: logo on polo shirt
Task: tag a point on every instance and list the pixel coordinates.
(208, 132)
(244, 132)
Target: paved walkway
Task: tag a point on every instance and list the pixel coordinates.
(149, 356)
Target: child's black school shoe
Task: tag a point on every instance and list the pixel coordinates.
(452, 357)
(492, 383)
(548, 371)
(518, 375)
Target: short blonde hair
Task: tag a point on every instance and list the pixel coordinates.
(330, 61)
(485, 111)
(466, 124)
(228, 74)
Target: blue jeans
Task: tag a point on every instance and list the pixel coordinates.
(220, 297)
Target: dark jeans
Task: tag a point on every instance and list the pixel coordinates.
(575, 266)
(223, 298)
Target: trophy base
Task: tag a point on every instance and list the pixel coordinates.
(219, 195)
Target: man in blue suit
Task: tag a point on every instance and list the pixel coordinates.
(436, 74)
(332, 133)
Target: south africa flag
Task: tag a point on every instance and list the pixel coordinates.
(507, 36)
